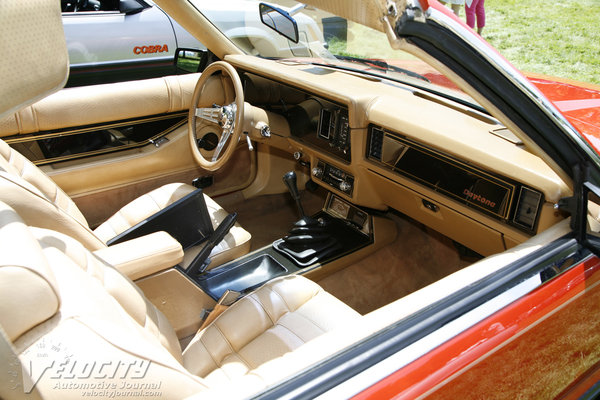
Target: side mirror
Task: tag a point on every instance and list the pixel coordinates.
(190, 60)
(130, 7)
(279, 20)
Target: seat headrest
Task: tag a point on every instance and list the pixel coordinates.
(34, 60)
(28, 289)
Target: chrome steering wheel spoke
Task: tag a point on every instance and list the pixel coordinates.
(212, 114)
(224, 136)
(227, 122)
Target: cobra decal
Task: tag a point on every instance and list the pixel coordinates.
(150, 49)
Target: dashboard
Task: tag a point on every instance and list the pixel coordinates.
(451, 172)
(500, 197)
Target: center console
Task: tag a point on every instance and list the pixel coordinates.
(349, 227)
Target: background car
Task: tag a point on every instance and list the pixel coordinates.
(119, 40)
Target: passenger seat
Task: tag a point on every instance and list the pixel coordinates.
(61, 304)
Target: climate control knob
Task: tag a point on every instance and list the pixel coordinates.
(318, 172)
(345, 186)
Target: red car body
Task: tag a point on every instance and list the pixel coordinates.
(544, 341)
(539, 342)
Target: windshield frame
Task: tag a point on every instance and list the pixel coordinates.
(317, 52)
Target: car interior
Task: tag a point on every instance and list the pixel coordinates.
(338, 206)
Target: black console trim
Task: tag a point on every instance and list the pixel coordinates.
(186, 219)
(351, 231)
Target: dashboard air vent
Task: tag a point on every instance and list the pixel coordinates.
(527, 208)
(376, 145)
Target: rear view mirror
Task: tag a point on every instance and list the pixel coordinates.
(280, 21)
(190, 60)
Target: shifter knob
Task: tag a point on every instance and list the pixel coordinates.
(290, 181)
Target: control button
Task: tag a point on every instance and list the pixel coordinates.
(345, 186)
(430, 206)
(265, 131)
(318, 172)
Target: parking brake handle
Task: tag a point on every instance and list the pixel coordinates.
(202, 259)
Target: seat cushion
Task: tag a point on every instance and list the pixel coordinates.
(276, 319)
(31, 31)
(40, 202)
(142, 208)
(90, 315)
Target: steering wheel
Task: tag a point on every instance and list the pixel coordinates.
(227, 116)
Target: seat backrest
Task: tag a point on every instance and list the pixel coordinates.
(34, 60)
(72, 317)
(34, 63)
(38, 200)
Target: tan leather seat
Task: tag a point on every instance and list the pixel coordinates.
(42, 203)
(58, 302)
(32, 31)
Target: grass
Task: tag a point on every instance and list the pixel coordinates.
(560, 38)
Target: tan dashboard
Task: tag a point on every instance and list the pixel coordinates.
(442, 163)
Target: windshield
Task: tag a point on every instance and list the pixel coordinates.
(325, 39)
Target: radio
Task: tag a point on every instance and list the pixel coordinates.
(334, 177)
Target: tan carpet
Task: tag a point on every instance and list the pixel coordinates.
(418, 257)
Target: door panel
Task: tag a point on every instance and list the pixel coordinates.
(103, 181)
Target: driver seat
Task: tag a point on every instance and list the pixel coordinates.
(40, 202)
(23, 186)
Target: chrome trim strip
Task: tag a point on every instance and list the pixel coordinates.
(35, 137)
(28, 137)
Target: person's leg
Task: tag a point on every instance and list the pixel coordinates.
(470, 12)
(456, 8)
(480, 11)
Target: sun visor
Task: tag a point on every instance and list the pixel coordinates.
(33, 54)
(368, 13)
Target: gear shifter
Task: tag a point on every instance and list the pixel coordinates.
(309, 240)
(291, 182)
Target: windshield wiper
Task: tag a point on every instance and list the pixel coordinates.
(382, 65)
